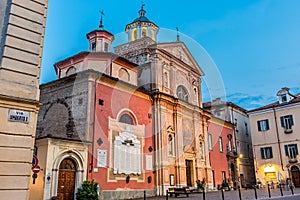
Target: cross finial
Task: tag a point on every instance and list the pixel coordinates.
(101, 26)
(142, 12)
(178, 38)
(143, 4)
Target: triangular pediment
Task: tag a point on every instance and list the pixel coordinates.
(180, 51)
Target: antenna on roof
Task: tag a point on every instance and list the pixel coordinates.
(101, 26)
(178, 38)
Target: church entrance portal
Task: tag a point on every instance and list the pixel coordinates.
(189, 168)
(66, 180)
(295, 176)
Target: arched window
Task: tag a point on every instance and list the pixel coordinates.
(144, 32)
(182, 93)
(67, 164)
(126, 119)
(153, 35)
(166, 80)
(201, 148)
(71, 70)
(134, 35)
(124, 75)
(171, 145)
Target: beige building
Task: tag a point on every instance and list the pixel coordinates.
(275, 138)
(22, 24)
(242, 170)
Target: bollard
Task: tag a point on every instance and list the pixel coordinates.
(292, 189)
(203, 194)
(269, 191)
(144, 194)
(255, 192)
(240, 195)
(167, 194)
(222, 194)
(280, 189)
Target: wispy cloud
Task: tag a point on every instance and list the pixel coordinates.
(250, 101)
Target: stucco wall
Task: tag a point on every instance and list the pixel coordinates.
(22, 24)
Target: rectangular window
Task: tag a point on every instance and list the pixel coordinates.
(223, 176)
(283, 98)
(93, 46)
(263, 125)
(287, 122)
(210, 142)
(229, 145)
(105, 46)
(221, 144)
(266, 152)
(246, 129)
(238, 148)
(291, 150)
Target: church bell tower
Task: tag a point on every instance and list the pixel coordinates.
(100, 40)
(141, 27)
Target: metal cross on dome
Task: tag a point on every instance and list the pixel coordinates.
(101, 20)
(143, 4)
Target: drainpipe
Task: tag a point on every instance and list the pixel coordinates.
(94, 122)
(235, 159)
(278, 140)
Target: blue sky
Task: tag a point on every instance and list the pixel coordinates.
(254, 44)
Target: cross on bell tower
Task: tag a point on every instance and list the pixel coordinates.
(100, 40)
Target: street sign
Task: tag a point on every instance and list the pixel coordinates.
(35, 161)
(36, 169)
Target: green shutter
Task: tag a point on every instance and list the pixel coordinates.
(291, 120)
(286, 149)
(267, 124)
(282, 121)
(296, 149)
(258, 126)
(262, 153)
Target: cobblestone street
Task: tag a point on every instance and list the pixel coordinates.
(246, 195)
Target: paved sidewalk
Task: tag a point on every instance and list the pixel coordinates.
(262, 194)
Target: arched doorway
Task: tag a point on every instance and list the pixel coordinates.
(295, 176)
(66, 179)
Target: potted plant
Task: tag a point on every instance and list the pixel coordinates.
(226, 186)
(87, 191)
(199, 185)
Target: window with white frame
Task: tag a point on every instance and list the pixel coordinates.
(291, 150)
(266, 152)
(263, 125)
(229, 145)
(210, 147)
(287, 122)
(220, 144)
(223, 176)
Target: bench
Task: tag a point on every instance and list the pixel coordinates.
(178, 191)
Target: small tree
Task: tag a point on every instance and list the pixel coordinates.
(87, 191)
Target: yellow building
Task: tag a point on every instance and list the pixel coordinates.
(22, 26)
(275, 138)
